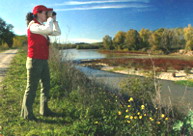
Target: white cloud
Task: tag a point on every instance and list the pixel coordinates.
(97, 2)
(106, 7)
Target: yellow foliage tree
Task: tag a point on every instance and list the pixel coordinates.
(188, 35)
(119, 39)
(19, 41)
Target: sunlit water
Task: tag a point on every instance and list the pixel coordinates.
(74, 54)
(82, 54)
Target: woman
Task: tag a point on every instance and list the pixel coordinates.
(37, 59)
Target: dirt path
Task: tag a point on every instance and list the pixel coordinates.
(5, 59)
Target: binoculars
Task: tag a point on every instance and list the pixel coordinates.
(53, 13)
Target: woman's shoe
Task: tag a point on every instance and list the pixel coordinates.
(32, 118)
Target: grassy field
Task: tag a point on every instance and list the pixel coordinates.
(185, 82)
(83, 107)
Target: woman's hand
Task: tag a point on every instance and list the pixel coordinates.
(54, 17)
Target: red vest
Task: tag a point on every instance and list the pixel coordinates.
(38, 45)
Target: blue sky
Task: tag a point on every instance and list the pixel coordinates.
(91, 20)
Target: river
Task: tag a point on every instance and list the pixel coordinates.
(171, 93)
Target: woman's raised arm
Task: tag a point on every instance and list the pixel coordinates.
(46, 29)
(56, 29)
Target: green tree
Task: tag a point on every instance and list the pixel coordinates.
(145, 34)
(132, 40)
(119, 40)
(155, 39)
(6, 34)
(2, 29)
(167, 40)
(179, 38)
(107, 42)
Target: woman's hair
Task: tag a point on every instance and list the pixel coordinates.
(30, 17)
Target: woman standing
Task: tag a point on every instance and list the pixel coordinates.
(37, 59)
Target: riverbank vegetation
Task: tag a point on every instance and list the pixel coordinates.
(86, 107)
(81, 45)
(160, 64)
(174, 69)
(162, 41)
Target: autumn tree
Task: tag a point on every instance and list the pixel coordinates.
(119, 40)
(19, 41)
(145, 35)
(188, 35)
(132, 40)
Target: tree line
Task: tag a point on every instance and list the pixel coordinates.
(162, 39)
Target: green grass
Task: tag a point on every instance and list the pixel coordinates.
(11, 98)
(87, 107)
(120, 68)
(75, 118)
(185, 82)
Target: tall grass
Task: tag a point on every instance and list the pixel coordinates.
(84, 106)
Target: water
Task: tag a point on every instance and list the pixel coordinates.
(74, 54)
(82, 54)
(171, 92)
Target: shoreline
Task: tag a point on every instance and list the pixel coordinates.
(180, 74)
(180, 52)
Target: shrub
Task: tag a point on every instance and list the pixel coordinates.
(140, 88)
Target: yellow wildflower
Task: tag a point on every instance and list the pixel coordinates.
(166, 118)
(138, 113)
(142, 107)
(135, 117)
(158, 122)
(145, 115)
(127, 116)
(119, 112)
(131, 117)
(128, 121)
(140, 117)
(126, 110)
(96, 122)
(129, 106)
(130, 100)
(162, 115)
(151, 118)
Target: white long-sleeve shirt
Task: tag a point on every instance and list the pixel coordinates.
(50, 28)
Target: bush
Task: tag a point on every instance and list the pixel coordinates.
(140, 88)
